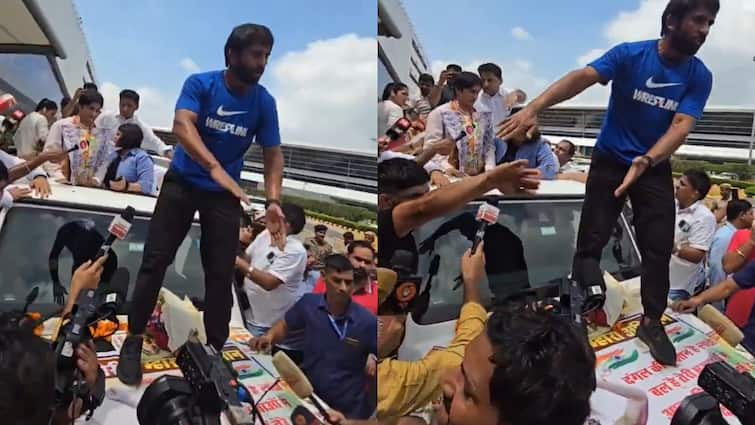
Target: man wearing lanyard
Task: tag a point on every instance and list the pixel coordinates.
(339, 336)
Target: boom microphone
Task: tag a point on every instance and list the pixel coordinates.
(295, 378)
(119, 228)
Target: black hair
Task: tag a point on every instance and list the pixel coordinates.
(544, 368)
(337, 263)
(131, 136)
(27, 380)
(426, 78)
(90, 86)
(466, 80)
(46, 104)
(572, 148)
(348, 235)
(736, 207)
(359, 244)
(64, 101)
(393, 87)
(454, 67)
(321, 228)
(3, 173)
(699, 181)
(397, 174)
(680, 8)
(295, 216)
(89, 97)
(490, 68)
(129, 94)
(246, 35)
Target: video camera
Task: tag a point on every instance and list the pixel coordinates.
(722, 385)
(93, 308)
(209, 387)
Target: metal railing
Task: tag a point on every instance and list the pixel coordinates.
(730, 128)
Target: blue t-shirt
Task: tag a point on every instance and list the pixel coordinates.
(227, 124)
(334, 365)
(745, 279)
(645, 94)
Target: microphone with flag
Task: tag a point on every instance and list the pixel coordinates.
(487, 214)
(118, 228)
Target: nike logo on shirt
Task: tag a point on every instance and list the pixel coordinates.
(223, 113)
(653, 85)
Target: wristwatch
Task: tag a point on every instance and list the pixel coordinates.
(249, 270)
(270, 202)
(650, 161)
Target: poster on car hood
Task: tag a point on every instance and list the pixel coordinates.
(646, 389)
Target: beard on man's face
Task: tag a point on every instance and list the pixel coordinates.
(684, 43)
(247, 75)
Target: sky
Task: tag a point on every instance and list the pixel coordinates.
(322, 70)
(537, 42)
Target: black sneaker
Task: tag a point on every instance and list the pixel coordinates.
(654, 336)
(130, 362)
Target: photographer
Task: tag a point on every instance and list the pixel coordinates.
(27, 368)
(743, 279)
(407, 386)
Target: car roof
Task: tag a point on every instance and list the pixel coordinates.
(549, 189)
(99, 199)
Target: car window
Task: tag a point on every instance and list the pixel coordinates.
(531, 246)
(30, 232)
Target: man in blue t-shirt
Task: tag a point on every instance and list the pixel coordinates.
(658, 92)
(743, 279)
(339, 336)
(218, 116)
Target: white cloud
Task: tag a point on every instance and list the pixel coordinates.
(520, 33)
(517, 74)
(188, 65)
(523, 64)
(590, 56)
(727, 51)
(155, 107)
(325, 93)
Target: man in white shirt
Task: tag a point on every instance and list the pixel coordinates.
(693, 235)
(274, 279)
(128, 105)
(32, 131)
(494, 98)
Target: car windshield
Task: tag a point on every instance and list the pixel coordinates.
(531, 246)
(29, 234)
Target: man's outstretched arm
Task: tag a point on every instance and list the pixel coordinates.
(413, 214)
(566, 88)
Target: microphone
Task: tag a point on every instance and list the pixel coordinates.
(398, 128)
(6, 102)
(297, 380)
(487, 214)
(721, 324)
(119, 228)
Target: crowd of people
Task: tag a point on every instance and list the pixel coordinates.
(455, 127)
(466, 135)
(76, 143)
